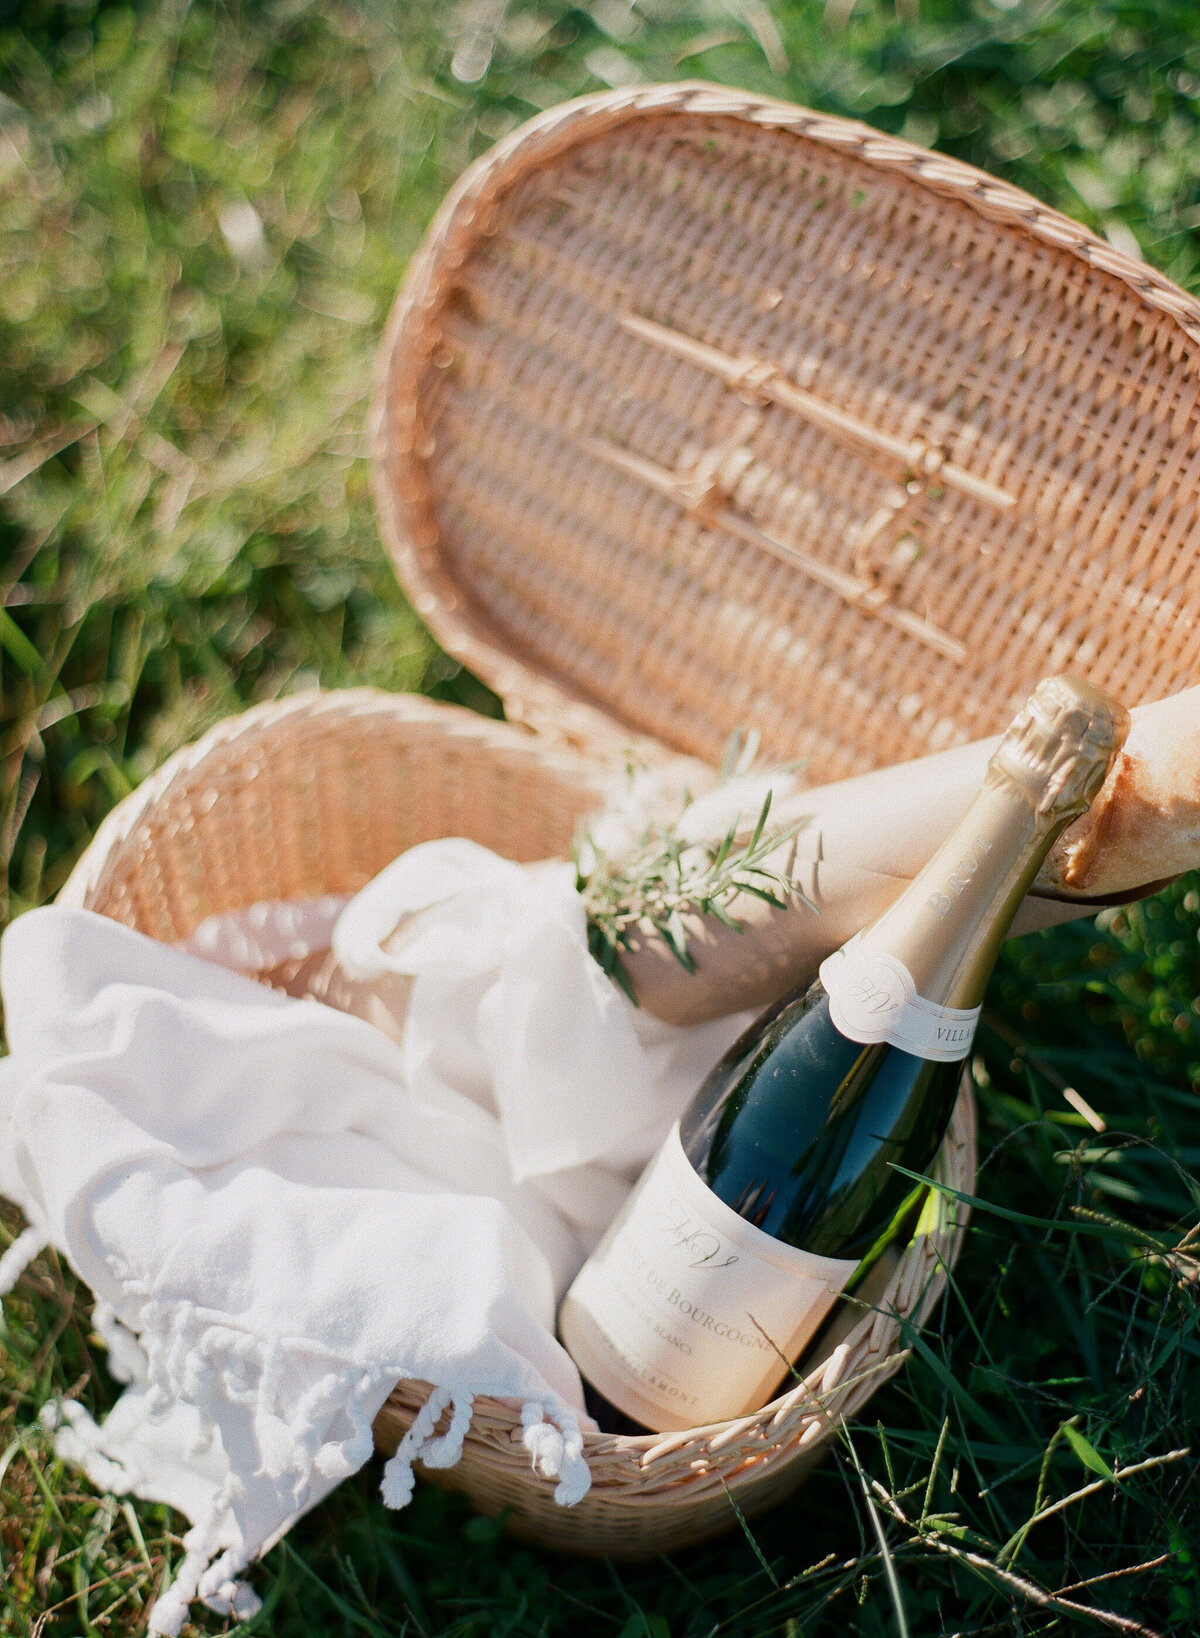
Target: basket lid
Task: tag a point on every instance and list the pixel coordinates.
(698, 410)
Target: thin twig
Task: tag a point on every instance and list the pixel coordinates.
(1029, 1590)
(1118, 1477)
(1112, 1575)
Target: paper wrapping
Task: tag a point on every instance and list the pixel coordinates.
(866, 838)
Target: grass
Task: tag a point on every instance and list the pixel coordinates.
(204, 211)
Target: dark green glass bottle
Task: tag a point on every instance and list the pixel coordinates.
(817, 1172)
(782, 1181)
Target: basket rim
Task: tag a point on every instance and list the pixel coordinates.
(402, 493)
(340, 704)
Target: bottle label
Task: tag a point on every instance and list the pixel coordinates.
(687, 1314)
(872, 998)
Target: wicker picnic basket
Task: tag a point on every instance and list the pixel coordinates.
(699, 410)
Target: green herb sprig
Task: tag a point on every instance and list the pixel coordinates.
(664, 878)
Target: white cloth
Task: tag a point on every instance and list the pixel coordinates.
(282, 1213)
(575, 1074)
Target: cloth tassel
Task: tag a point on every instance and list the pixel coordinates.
(180, 1358)
(205, 1571)
(224, 1595)
(553, 1438)
(398, 1478)
(575, 1476)
(541, 1439)
(19, 1256)
(78, 1441)
(276, 1442)
(446, 1450)
(126, 1356)
(360, 1446)
(170, 1608)
(332, 1460)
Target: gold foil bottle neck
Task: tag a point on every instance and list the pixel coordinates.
(1060, 746)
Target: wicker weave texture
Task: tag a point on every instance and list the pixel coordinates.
(313, 796)
(699, 410)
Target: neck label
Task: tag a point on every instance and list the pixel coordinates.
(873, 999)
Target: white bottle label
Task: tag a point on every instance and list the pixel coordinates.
(687, 1314)
(872, 998)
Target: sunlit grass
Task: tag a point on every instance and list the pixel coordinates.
(204, 212)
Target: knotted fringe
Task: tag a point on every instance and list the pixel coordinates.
(181, 1355)
(207, 1573)
(78, 1441)
(398, 1477)
(126, 1356)
(552, 1437)
(185, 1356)
(19, 1256)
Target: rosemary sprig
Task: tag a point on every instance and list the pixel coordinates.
(665, 877)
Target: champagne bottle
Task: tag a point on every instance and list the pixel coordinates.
(779, 1184)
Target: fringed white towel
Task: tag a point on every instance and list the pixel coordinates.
(282, 1212)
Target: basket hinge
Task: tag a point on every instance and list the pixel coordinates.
(760, 381)
(704, 501)
(705, 488)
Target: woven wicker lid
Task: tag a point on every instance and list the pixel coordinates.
(699, 410)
